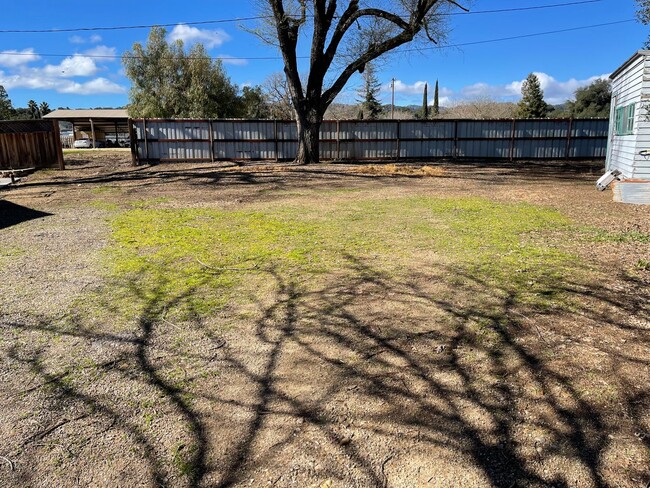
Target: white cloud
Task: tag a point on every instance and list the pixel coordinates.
(190, 35)
(13, 58)
(94, 87)
(555, 91)
(77, 65)
(225, 59)
(104, 52)
(94, 39)
(36, 79)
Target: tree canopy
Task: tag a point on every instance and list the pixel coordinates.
(345, 36)
(592, 101)
(532, 104)
(6, 108)
(169, 82)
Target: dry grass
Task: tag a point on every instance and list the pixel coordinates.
(265, 325)
(398, 170)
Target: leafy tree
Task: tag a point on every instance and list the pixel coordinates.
(168, 82)
(532, 104)
(6, 108)
(44, 109)
(436, 102)
(643, 14)
(34, 112)
(345, 36)
(370, 105)
(253, 104)
(592, 101)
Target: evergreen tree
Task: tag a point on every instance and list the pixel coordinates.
(532, 104)
(425, 102)
(6, 109)
(253, 104)
(370, 90)
(436, 104)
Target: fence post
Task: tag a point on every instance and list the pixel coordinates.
(568, 140)
(399, 139)
(211, 131)
(338, 140)
(146, 140)
(57, 144)
(513, 130)
(133, 143)
(276, 145)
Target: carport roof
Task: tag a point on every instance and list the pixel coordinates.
(85, 115)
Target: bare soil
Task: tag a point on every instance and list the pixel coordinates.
(354, 380)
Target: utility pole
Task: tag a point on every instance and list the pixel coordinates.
(392, 100)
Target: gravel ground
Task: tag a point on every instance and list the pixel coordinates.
(352, 381)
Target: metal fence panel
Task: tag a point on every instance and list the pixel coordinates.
(159, 140)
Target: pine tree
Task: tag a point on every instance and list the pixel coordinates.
(369, 92)
(436, 104)
(425, 102)
(6, 108)
(532, 104)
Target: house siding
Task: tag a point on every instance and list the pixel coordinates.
(631, 85)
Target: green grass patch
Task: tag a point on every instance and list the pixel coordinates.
(191, 262)
(601, 235)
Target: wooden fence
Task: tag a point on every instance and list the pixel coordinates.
(160, 140)
(30, 144)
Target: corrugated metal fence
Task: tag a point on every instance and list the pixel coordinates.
(30, 144)
(155, 140)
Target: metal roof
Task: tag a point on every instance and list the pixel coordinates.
(642, 52)
(88, 114)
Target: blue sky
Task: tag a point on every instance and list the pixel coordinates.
(75, 69)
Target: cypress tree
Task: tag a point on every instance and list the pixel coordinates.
(425, 102)
(436, 105)
(6, 108)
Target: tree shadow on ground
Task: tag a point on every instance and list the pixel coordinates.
(283, 175)
(367, 378)
(14, 214)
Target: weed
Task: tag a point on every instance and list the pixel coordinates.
(643, 264)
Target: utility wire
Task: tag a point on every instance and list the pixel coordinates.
(275, 58)
(260, 17)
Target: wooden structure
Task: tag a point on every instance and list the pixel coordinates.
(169, 140)
(30, 144)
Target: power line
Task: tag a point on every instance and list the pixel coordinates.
(276, 58)
(260, 17)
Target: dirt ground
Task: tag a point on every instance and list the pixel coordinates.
(356, 379)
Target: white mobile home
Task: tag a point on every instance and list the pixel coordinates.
(628, 150)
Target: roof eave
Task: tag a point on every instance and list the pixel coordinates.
(626, 64)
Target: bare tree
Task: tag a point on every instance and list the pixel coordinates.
(276, 91)
(344, 38)
(480, 108)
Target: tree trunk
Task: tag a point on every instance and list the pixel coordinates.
(308, 139)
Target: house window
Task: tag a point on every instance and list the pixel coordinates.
(624, 122)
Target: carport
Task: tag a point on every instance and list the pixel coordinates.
(95, 122)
